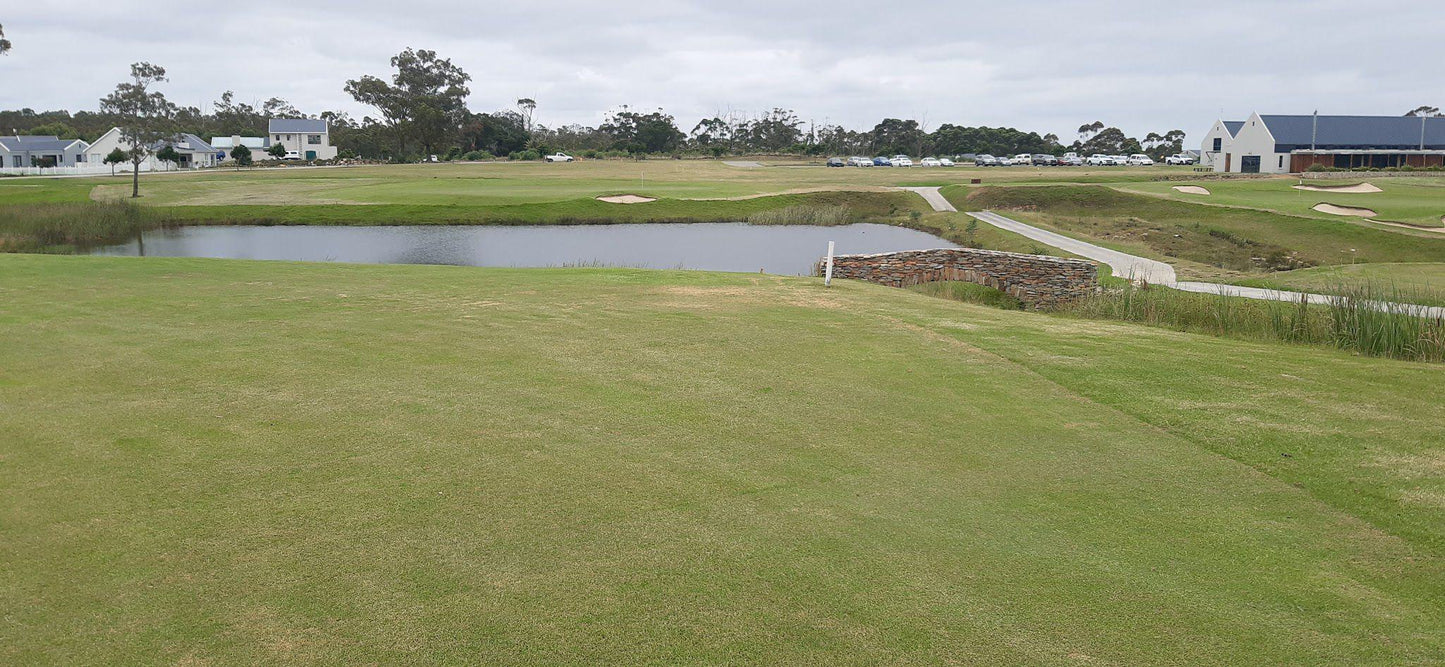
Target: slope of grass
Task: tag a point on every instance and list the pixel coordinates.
(1418, 202)
(240, 462)
(1234, 239)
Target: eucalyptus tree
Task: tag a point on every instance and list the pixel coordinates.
(144, 116)
(426, 97)
(4, 43)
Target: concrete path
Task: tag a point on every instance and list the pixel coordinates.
(1123, 265)
(934, 199)
(1159, 273)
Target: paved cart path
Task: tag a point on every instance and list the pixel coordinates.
(1155, 272)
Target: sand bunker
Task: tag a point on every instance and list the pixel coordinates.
(626, 199)
(1345, 210)
(742, 164)
(1358, 189)
(1191, 189)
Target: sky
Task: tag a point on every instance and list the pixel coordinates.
(1044, 65)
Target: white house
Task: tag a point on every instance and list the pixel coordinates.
(310, 139)
(194, 151)
(1277, 144)
(1217, 142)
(19, 153)
(257, 146)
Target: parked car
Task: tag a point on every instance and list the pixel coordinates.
(1100, 160)
(836, 162)
(945, 162)
(290, 155)
(1042, 160)
(1179, 158)
(881, 161)
(1120, 160)
(559, 157)
(901, 161)
(1070, 155)
(1141, 160)
(1005, 161)
(930, 162)
(1023, 159)
(857, 161)
(985, 160)
(1071, 160)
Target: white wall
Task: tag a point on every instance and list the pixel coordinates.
(297, 141)
(1254, 139)
(95, 155)
(1208, 157)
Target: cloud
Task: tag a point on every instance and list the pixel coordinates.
(1047, 65)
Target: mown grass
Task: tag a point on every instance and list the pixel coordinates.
(1419, 202)
(248, 462)
(1358, 319)
(1235, 240)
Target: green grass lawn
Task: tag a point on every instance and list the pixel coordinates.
(1212, 242)
(249, 462)
(1413, 201)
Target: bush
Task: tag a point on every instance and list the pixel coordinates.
(63, 227)
(804, 215)
(524, 155)
(1317, 168)
(475, 156)
(1361, 319)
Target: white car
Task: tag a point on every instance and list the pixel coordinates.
(1120, 160)
(930, 162)
(1100, 160)
(559, 157)
(1024, 159)
(860, 162)
(1179, 158)
(1140, 160)
(901, 161)
(945, 162)
(292, 155)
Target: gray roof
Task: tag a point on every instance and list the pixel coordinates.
(22, 143)
(295, 125)
(187, 142)
(1402, 132)
(1233, 126)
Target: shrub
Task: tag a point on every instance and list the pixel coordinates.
(840, 214)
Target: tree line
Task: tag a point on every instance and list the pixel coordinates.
(420, 110)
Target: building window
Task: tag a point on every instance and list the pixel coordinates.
(1218, 143)
(1281, 162)
(278, 138)
(314, 139)
(80, 158)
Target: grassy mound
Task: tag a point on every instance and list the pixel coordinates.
(243, 462)
(1230, 238)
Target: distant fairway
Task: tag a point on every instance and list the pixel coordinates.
(1415, 201)
(223, 462)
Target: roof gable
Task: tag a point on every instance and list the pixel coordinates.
(1232, 126)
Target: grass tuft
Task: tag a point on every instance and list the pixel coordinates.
(63, 227)
(803, 214)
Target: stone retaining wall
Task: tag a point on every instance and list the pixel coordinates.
(1037, 281)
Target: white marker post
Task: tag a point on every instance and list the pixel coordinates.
(828, 273)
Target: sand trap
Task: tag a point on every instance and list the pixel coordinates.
(742, 164)
(1191, 189)
(626, 199)
(1360, 189)
(1345, 210)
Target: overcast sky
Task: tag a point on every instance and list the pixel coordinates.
(1143, 65)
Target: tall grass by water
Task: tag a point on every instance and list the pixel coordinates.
(1363, 318)
(840, 214)
(63, 227)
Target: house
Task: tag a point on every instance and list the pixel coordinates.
(194, 151)
(1277, 144)
(307, 138)
(1217, 141)
(21, 151)
(224, 146)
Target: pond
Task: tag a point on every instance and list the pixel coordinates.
(777, 249)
